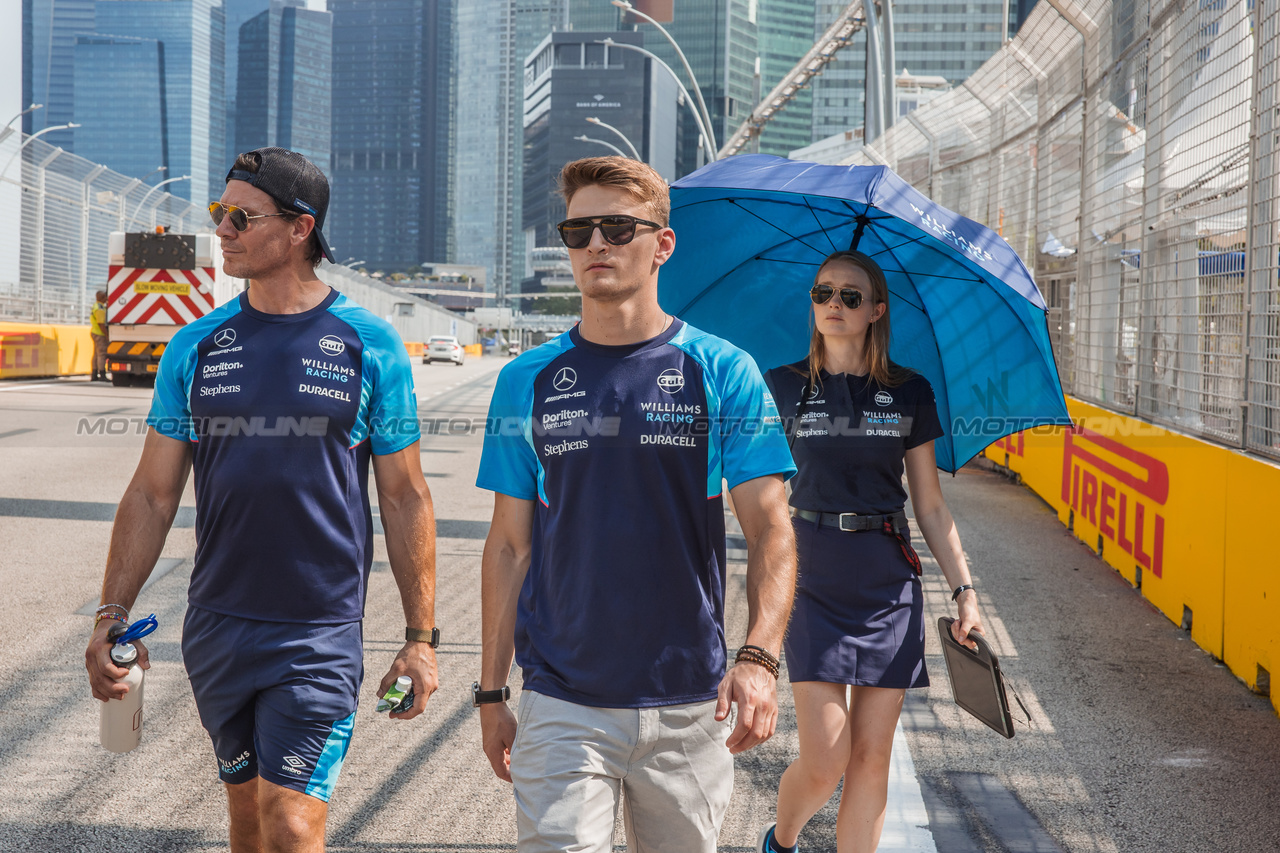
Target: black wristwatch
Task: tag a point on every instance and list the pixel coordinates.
(488, 697)
(416, 635)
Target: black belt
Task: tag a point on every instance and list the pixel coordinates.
(851, 522)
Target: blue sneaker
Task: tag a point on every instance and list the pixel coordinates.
(764, 839)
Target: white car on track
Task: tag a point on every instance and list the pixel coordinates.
(444, 348)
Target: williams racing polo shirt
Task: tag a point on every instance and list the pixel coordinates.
(623, 449)
(283, 412)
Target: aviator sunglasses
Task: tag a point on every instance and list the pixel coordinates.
(821, 294)
(239, 218)
(617, 229)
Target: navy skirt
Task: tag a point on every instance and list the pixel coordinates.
(859, 614)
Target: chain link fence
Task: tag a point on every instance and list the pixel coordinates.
(61, 208)
(1129, 150)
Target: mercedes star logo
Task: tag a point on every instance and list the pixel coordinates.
(565, 379)
(224, 338)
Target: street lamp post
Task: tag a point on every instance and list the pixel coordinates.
(702, 105)
(32, 138)
(7, 130)
(634, 153)
(609, 145)
(134, 218)
(697, 117)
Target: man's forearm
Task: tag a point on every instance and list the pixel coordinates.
(502, 571)
(137, 538)
(410, 528)
(771, 584)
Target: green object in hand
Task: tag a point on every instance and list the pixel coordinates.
(399, 696)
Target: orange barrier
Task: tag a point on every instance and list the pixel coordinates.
(476, 350)
(33, 349)
(414, 348)
(1189, 523)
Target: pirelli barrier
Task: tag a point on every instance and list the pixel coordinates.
(1192, 525)
(31, 349)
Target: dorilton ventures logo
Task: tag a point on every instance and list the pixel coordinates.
(332, 345)
(224, 338)
(883, 398)
(565, 379)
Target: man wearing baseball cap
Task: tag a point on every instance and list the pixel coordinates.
(279, 400)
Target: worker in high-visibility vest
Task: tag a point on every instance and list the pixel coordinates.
(98, 332)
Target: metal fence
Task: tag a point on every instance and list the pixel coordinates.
(1129, 150)
(57, 209)
(61, 208)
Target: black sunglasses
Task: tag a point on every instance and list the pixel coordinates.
(821, 294)
(617, 229)
(239, 217)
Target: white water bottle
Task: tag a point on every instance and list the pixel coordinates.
(120, 723)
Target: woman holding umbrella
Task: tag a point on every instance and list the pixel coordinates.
(859, 419)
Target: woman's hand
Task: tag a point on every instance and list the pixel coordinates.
(967, 619)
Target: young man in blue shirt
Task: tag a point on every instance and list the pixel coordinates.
(604, 569)
(279, 399)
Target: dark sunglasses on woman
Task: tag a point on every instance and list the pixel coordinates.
(617, 229)
(239, 218)
(821, 294)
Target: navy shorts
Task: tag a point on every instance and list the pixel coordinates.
(277, 698)
(859, 614)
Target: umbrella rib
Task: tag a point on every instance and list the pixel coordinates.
(738, 205)
(820, 225)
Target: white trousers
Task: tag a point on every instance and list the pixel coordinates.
(570, 762)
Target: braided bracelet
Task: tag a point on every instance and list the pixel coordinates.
(768, 655)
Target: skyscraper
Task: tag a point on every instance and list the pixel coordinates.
(284, 81)
(720, 40)
(50, 29)
(237, 12)
(186, 51)
(568, 78)
(487, 210)
(949, 40)
(786, 34)
(391, 141)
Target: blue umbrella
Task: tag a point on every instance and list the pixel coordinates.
(964, 311)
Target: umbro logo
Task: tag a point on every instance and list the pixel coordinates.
(293, 764)
(565, 379)
(224, 338)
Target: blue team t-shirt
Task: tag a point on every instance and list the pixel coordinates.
(623, 449)
(283, 412)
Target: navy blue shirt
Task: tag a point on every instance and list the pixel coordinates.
(852, 437)
(625, 449)
(283, 412)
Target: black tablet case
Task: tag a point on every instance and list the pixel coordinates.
(976, 681)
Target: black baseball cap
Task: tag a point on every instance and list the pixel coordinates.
(296, 184)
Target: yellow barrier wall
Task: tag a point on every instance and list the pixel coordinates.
(414, 348)
(476, 350)
(31, 349)
(1192, 524)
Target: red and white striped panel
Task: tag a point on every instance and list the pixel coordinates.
(125, 305)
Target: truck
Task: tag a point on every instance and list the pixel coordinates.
(157, 282)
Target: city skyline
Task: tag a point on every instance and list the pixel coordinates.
(420, 174)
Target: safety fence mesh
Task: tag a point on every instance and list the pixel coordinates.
(1129, 150)
(56, 211)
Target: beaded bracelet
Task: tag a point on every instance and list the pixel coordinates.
(109, 615)
(760, 657)
(121, 606)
